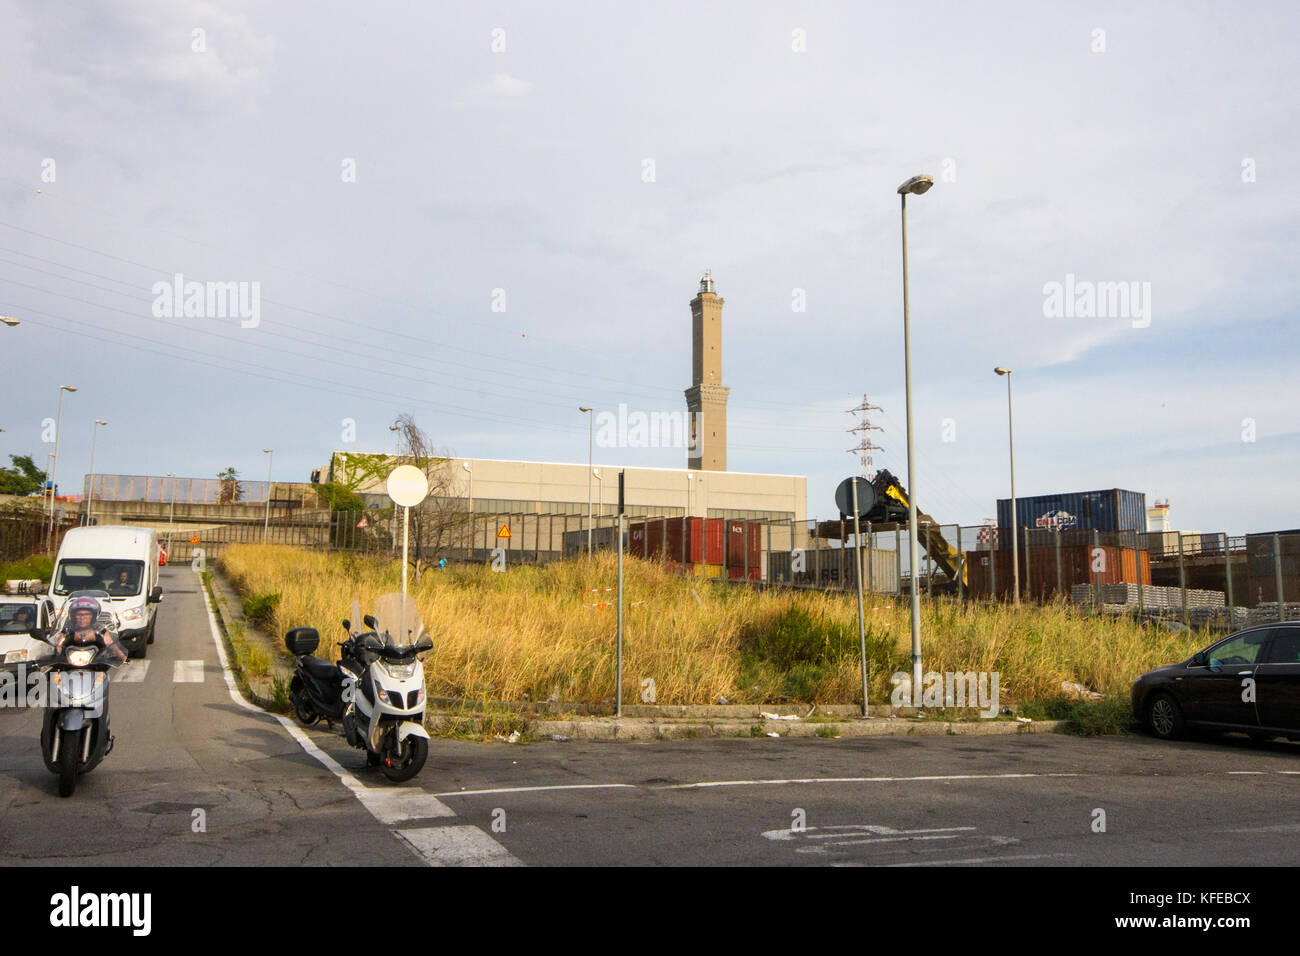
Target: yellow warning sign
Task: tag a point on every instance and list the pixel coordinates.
(194, 539)
(504, 532)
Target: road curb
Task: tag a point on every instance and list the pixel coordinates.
(640, 729)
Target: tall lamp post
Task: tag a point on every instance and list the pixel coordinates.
(266, 523)
(591, 424)
(90, 497)
(54, 467)
(916, 186)
(1011, 444)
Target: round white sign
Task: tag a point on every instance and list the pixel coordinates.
(407, 486)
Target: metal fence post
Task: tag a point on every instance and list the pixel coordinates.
(898, 558)
(1227, 567)
(1096, 574)
(1029, 588)
(1277, 576)
(1137, 560)
(993, 565)
(1060, 587)
(1182, 575)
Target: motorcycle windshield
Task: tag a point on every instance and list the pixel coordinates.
(106, 621)
(398, 620)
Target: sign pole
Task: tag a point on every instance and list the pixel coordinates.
(857, 574)
(618, 674)
(406, 540)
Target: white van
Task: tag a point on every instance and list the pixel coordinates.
(122, 561)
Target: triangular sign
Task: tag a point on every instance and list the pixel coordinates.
(363, 523)
(504, 532)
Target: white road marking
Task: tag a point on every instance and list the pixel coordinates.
(187, 672)
(1245, 773)
(858, 830)
(567, 786)
(984, 859)
(457, 846)
(386, 805)
(753, 783)
(132, 672)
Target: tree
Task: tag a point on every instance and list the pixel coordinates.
(442, 521)
(24, 478)
(231, 490)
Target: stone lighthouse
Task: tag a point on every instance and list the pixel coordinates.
(706, 399)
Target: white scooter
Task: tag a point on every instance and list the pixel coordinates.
(379, 683)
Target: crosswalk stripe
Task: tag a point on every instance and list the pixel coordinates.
(132, 672)
(458, 846)
(187, 672)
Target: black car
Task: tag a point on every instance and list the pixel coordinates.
(1247, 682)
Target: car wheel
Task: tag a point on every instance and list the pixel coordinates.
(152, 627)
(1165, 717)
(139, 652)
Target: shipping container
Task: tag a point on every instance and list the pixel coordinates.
(744, 544)
(1038, 570)
(1111, 510)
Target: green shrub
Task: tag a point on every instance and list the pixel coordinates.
(36, 566)
(259, 608)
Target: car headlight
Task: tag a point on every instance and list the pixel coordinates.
(81, 656)
(132, 614)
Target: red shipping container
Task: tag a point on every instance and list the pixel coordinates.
(714, 549)
(744, 544)
(636, 539)
(654, 539)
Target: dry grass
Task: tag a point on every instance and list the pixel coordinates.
(524, 635)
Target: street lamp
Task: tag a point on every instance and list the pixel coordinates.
(1011, 444)
(591, 420)
(266, 523)
(8, 320)
(916, 186)
(171, 520)
(54, 467)
(90, 498)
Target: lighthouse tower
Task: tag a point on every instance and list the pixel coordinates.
(706, 399)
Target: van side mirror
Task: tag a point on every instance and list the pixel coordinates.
(155, 596)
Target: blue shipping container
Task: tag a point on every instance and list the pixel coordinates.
(1111, 510)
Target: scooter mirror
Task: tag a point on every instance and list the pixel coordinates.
(370, 621)
(424, 644)
(347, 625)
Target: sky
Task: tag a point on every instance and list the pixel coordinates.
(487, 215)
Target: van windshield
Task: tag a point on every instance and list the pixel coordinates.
(119, 578)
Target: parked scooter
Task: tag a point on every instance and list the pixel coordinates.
(74, 732)
(376, 690)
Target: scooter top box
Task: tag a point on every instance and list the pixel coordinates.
(302, 640)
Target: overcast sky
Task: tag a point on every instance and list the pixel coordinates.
(394, 175)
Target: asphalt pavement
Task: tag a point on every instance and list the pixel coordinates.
(271, 793)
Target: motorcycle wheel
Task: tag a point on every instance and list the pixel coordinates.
(303, 711)
(69, 755)
(403, 766)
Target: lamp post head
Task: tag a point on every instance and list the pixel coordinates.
(1002, 370)
(584, 408)
(100, 421)
(68, 388)
(8, 320)
(266, 451)
(917, 185)
(465, 465)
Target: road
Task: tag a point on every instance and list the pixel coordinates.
(271, 793)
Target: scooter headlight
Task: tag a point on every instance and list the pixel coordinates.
(401, 671)
(81, 656)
